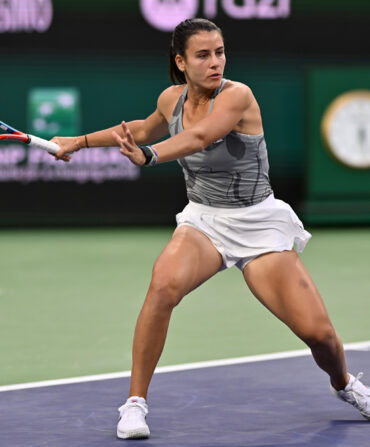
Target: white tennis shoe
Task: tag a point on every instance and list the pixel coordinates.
(356, 394)
(132, 424)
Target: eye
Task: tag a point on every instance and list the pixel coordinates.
(203, 56)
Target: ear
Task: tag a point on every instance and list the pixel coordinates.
(180, 62)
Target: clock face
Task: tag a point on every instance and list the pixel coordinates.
(346, 129)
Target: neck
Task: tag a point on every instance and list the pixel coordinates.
(198, 96)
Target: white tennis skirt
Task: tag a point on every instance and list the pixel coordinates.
(242, 234)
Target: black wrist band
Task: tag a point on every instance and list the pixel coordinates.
(147, 153)
(151, 155)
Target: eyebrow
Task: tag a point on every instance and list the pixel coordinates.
(207, 50)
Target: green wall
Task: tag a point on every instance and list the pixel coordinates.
(335, 193)
(127, 87)
(292, 97)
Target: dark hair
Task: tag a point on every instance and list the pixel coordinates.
(180, 37)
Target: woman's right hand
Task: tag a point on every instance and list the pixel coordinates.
(67, 145)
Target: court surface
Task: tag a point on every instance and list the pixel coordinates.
(282, 400)
(69, 300)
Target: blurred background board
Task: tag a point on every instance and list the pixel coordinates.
(253, 26)
(113, 56)
(338, 189)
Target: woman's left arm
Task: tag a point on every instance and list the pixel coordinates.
(227, 111)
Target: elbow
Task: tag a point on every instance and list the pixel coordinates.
(141, 136)
(199, 139)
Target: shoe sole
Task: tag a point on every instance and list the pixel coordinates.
(365, 416)
(134, 434)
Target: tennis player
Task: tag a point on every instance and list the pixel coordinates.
(232, 218)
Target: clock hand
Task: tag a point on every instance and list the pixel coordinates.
(362, 134)
(362, 137)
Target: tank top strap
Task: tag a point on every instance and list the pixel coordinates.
(184, 94)
(175, 122)
(215, 93)
(179, 105)
(181, 101)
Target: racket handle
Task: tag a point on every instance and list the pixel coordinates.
(40, 143)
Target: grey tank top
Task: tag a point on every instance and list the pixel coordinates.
(231, 172)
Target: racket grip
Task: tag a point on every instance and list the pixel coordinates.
(46, 145)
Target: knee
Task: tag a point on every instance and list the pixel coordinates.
(165, 291)
(319, 336)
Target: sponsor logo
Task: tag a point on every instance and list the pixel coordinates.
(166, 14)
(25, 15)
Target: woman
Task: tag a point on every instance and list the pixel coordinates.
(232, 217)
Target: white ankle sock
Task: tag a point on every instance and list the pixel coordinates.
(139, 400)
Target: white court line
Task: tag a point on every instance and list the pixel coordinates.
(361, 346)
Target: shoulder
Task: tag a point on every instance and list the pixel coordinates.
(237, 91)
(169, 97)
(237, 86)
(167, 100)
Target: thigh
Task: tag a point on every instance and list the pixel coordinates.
(187, 261)
(282, 284)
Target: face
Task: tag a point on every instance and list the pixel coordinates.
(204, 59)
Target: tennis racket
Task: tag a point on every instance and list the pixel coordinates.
(15, 135)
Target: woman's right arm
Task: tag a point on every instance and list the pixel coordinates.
(145, 131)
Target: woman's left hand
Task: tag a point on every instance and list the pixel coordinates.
(128, 146)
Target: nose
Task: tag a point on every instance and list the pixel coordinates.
(214, 60)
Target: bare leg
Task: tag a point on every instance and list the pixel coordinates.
(187, 261)
(282, 284)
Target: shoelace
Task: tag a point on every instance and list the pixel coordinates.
(358, 377)
(130, 405)
(361, 389)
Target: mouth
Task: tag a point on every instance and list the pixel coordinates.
(215, 76)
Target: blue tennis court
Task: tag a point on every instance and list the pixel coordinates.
(277, 402)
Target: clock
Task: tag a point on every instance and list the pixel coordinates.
(345, 129)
